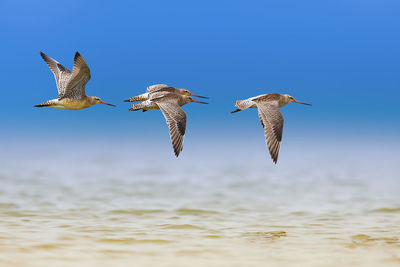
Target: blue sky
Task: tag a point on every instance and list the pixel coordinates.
(341, 56)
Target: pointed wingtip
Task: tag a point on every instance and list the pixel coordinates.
(77, 55)
(43, 55)
(177, 151)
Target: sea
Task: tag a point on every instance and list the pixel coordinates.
(218, 204)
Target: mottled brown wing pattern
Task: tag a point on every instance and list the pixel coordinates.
(156, 87)
(61, 73)
(79, 78)
(261, 120)
(274, 97)
(176, 120)
(272, 121)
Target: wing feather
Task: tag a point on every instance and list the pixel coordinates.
(176, 120)
(272, 120)
(79, 78)
(155, 88)
(61, 73)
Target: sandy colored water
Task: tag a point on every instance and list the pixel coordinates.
(114, 209)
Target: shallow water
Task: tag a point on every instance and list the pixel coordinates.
(99, 209)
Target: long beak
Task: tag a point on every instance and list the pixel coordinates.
(199, 96)
(199, 102)
(302, 103)
(108, 104)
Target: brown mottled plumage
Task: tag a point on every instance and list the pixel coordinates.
(270, 116)
(161, 88)
(71, 85)
(170, 105)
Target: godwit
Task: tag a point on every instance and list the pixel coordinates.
(71, 86)
(270, 116)
(161, 88)
(170, 105)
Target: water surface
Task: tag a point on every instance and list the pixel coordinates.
(118, 208)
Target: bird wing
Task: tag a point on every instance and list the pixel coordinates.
(272, 120)
(261, 120)
(79, 78)
(155, 88)
(176, 120)
(61, 73)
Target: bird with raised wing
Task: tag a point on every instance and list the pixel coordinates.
(71, 85)
(270, 116)
(170, 105)
(161, 88)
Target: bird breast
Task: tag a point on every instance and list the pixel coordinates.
(75, 104)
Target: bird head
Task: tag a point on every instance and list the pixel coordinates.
(290, 99)
(189, 99)
(97, 100)
(185, 91)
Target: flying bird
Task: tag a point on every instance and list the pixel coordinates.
(270, 116)
(71, 85)
(161, 88)
(170, 105)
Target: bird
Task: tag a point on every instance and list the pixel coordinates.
(271, 118)
(71, 85)
(170, 105)
(161, 88)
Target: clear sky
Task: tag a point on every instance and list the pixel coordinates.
(341, 55)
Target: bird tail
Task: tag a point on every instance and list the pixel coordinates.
(243, 104)
(240, 105)
(140, 98)
(136, 107)
(45, 104)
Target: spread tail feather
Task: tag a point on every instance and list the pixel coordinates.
(142, 97)
(45, 104)
(129, 99)
(41, 105)
(136, 107)
(243, 104)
